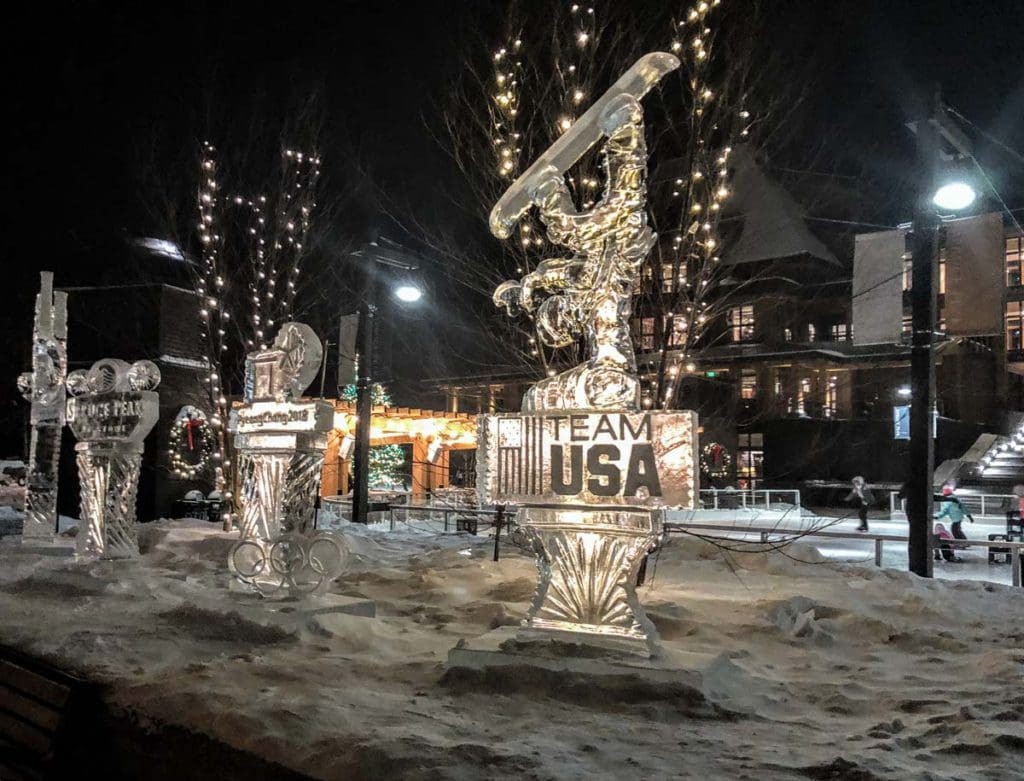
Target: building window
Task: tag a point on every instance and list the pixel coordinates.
(666, 277)
(1014, 326)
(741, 323)
(801, 399)
(643, 331)
(840, 332)
(678, 335)
(1014, 255)
(750, 457)
(831, 396)
(812, 333)
(748, 384)
(787, 334)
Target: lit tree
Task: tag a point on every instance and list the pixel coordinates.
(386, 461)
(532, 88)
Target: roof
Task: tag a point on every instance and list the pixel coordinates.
(774, 224)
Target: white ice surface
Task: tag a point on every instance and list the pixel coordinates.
(824, 670)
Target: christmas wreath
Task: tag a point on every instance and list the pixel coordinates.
(715, 460)
(192, 442)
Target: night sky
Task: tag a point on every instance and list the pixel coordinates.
(95, 88)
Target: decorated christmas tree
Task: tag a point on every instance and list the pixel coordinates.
(386, 461)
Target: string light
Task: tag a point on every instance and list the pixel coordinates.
(274, 229)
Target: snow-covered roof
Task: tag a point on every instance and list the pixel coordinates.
(773, 222)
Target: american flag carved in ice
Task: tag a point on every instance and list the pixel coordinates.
(520, 468)
(588, 458)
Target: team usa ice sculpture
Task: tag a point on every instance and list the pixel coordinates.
(44, 388)
(590, 473)
(112, 408)
(281, 441)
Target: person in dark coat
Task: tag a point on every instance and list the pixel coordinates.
(861, 498)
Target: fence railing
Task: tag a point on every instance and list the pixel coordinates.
(978, 505)
(447, 514)
(763, 499)
(767, 534)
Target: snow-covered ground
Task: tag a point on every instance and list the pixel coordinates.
(822, 670)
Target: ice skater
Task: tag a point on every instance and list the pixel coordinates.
(861, 498)
(953, 509)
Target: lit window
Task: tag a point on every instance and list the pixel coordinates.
(801, 399)
(741, 323)
(750, 456)
(1014, 325)
(840, 332)
(1014, 255)
(643, 332)
(787, 334)
(677, 338)
(831, 396)
(812, 333)
(748, 384)
(666, 277)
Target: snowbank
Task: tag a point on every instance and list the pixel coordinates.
(822, 670)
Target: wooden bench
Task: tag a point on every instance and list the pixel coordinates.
(34, 704)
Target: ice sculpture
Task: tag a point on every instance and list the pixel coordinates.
(281, 441)
(590, 473)
(44, 388)
(113, 406)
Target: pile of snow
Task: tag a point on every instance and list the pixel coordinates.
(821, 670)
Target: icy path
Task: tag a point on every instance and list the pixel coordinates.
(823, 670)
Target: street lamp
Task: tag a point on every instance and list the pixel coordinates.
(379, 253)
(954, 196)
(939, 142)
(409, 293)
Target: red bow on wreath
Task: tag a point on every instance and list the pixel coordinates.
(191, 425)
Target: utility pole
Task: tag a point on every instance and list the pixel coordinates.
(938, 140)
(378, 252)
(364, 391)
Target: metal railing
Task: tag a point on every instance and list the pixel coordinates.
(447, 513)
(725, 499)
(980, 505)
(782, 535)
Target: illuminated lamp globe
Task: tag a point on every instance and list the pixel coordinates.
(410, 294)
(954, 196)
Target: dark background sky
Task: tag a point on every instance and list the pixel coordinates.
(90, 87)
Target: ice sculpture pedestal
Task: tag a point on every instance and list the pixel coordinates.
(587, 565)
(112, 409)
(281, 440)
(591, 488)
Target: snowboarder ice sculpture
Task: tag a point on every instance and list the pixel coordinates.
(590, 472)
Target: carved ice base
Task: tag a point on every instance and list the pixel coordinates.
(279, 490)
(587, 563)
(109, 477)
(289, 565)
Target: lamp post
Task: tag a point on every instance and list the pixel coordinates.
(948, 196)
(382, 253)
